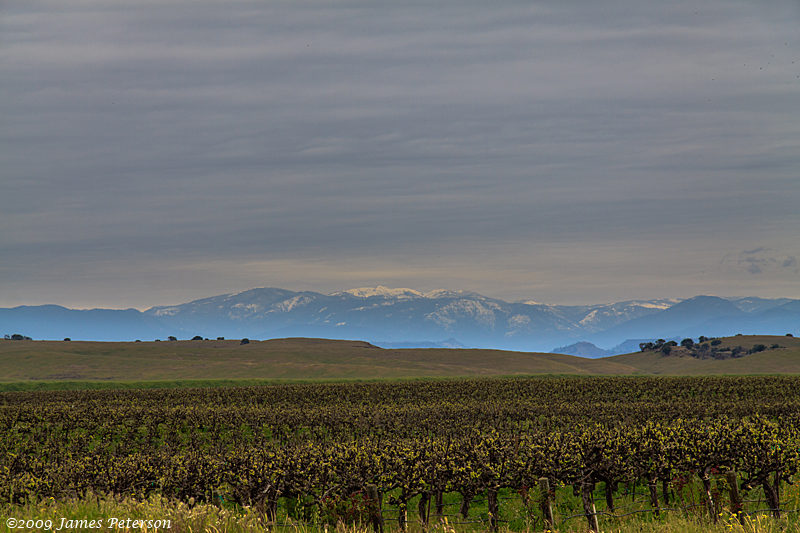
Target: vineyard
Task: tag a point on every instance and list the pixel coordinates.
(531, 452)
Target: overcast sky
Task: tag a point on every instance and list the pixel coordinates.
(154, 152)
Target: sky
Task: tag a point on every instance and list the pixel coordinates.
(153, 152)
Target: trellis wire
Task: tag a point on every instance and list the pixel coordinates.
(597, 513)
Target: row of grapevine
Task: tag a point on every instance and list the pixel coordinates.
(311, 443)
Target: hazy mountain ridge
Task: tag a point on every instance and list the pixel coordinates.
(670, 322)
(55, 322)
(387, 316)
(750, 304)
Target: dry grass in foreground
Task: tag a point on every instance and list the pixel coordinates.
(132, 516)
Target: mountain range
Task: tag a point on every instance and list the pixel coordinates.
(408, 318)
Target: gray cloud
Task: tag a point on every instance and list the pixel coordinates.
(754, 268)
(754, 251)
(759, 260)
(518, 141)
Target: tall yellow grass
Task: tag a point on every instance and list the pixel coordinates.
(205, 518)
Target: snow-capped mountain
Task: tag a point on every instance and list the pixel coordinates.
(393, 317)
(374, 314)
(383, 315)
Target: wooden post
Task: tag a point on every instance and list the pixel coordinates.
(376, 516)
(736, 499)
(544, 502)
(588, 506)
(402, 514)
(665, 491)
(439, 503)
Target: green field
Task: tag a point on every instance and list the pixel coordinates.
(41, 362)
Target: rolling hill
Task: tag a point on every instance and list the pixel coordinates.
(783, 360)
(282, 359)
(269, 360)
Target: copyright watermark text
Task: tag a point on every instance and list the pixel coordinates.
(65, 524)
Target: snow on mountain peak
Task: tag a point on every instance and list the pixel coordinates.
(166, 311)
(380, 290)
(291, 303)
(443, 293)
(666, 304)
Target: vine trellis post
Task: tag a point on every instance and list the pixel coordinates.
(735, 498)
(376, 516)
(545, 504)
(588, 504)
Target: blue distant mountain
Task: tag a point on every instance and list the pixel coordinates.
(53, 322)
(684, 316)
(405, 317)
(383, 316)
(777, 320)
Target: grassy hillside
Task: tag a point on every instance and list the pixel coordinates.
(783, 360)
(316, 359)
(271, 360)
